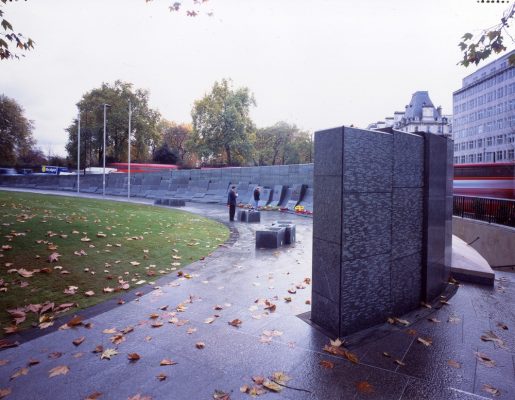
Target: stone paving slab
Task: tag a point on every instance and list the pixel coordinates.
(234, 277)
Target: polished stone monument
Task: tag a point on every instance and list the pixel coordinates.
(381, 225)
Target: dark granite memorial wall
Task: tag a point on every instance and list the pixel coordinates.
(372, 191)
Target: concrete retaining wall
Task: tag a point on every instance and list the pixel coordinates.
(496, 243)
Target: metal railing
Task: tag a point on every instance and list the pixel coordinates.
(497, 211)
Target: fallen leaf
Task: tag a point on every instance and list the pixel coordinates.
(235, 322)
(157, 324)
(364, 387)
(4, 362)
(79, 340)
(140, 397)
(54, 257)
(191, 330)
(492, 337)
(484, 359)
(108, 353)
(399, 362)
(5, 392)
(434, 320)
(220, 395)
(425, 342)
(109, 331)
(209, 320)
(337, 342)
(338, 351)
(270, 385)
(20, 372)
(98, 349)
(327, 364)
(133, 356)
(23, 272)
(134, 263)
(167, 361)
(89, 293)
(454, 364)
(386, 354)
(161, 377)
(490, 389)
(55, 355)
(502, 326)
(59, 370)
(93, 396)
(200, 345)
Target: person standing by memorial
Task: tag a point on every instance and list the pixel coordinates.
(257, 193)
(231, 202)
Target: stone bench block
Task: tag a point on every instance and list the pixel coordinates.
(170, 202)
(289, 233)
(248, 216)
(271, 238)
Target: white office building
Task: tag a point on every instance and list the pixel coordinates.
(420, 115)
(484, 115)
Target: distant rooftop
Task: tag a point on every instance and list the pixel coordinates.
(418, 101)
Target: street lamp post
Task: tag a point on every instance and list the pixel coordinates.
(129, 155)
(78, 152)
(104, 151)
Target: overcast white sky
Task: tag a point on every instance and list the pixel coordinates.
(315, 63)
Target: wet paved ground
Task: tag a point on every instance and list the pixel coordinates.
(456, 365)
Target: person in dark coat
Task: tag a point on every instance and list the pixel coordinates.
(231, 202)
(257, 193)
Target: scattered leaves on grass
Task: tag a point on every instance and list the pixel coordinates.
(454, 364)
(167, 361)
(364, 387)
(484, 359)
(59, 370)
(108, 353)
(490, 389)
(326, 364)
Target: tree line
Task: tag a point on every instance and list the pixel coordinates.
(221, 132)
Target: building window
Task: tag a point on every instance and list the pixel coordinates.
(471, 158)
(489, 141)
(488, 157)
(479, 157)
(480, 143)
(511, 155)
(499, 156)
(499, 139)
(471, 144)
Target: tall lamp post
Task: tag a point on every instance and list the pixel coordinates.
(78, 152)
(104, 151)
(129, 154)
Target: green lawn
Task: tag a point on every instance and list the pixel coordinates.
(114, 236)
